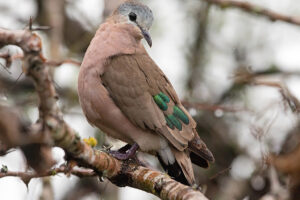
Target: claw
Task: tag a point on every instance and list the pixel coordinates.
(128, 152)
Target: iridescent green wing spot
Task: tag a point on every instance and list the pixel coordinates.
(177, 112)
(160, 102)
(178, 115)
(169, 123)
(174, 122)
(164, 97)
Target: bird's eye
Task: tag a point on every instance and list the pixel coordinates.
(132, 16)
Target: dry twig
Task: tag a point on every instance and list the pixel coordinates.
(62, 169)
(208, 107)
(254, 9)
(244, 76)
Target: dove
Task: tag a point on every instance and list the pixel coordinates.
(126, 95)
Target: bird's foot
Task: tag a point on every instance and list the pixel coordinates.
(125, 152)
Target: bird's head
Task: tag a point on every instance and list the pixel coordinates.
(138, 15)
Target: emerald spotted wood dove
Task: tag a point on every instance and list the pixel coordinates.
(125, 94)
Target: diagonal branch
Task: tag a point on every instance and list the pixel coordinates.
(60, 134)
(255, 9)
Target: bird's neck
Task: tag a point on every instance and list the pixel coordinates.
(113, 39)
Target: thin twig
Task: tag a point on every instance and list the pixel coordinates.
(5, 68)
(30, 23)
(200, 106)
(292, 101)
(58, 63)
(220, 173)
(16, 81)
(255, 9)
(80, 172)
(245, 76)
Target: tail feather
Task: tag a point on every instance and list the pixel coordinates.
(174, 171)
(183, 160)
(198, 160)
(181, 169)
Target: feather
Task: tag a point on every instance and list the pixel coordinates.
(174, 121)
(151, 108)
(169, 123)
(164, 97)
(160, 102)
(177, 112)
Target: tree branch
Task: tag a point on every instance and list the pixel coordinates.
(60, 134)
(257, 10)
(62, 169)
(208, 107)
(247, 77)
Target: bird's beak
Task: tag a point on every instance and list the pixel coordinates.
(147, 37)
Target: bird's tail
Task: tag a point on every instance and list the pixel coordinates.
(181, 170)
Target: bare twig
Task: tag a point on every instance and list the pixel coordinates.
(292, 101)
(208, 107)
(58, 63)
(254, 9)
(80, 172)
(10, 58)
(244, 76)
(220, 173)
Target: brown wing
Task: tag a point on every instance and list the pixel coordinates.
(134, 82)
